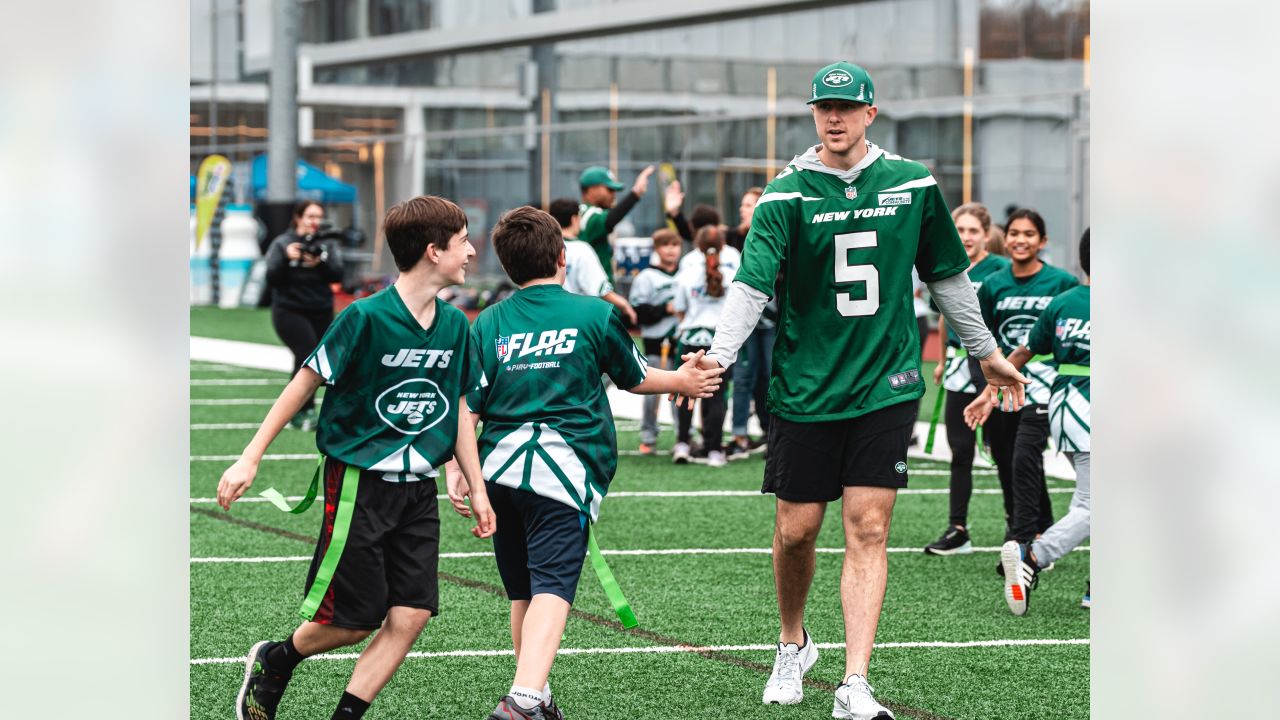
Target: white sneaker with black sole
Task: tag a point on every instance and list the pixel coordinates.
(855, 702)
(786, 682)
(680, 453)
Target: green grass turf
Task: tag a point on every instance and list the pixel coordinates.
(699, 599)
(246, 324)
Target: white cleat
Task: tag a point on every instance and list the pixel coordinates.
(854, 701)
(786, 682)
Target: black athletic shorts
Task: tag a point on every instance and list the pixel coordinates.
(390, 554)
(540, 543)
(814, 462)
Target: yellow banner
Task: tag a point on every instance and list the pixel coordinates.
(211, 180)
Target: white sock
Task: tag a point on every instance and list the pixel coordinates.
(546, 692)
(526, 698)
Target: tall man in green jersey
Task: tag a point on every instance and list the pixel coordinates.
(849, 221)
(548, 446)
(397, 364)
(601, 210)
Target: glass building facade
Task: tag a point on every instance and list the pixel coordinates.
(466, 124)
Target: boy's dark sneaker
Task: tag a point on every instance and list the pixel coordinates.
(954, 541)
(508, 709)
(739, 450)
(1020, 575)
(261, 692)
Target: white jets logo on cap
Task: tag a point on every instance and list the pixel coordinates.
(837, 78)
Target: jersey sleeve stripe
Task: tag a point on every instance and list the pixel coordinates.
(320, 363)
(771, 197)
(921, 183)
(641, 361)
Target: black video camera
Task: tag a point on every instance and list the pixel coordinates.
(313, 244)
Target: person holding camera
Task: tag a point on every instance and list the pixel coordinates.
(301, 265)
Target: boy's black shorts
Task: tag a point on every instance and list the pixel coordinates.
(540, 543)
(390, 555)
(814, 462)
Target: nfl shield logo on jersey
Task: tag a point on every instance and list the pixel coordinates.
(503, 346)
(851, 192)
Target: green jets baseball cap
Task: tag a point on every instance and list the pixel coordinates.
(596, 175)
(843, 81)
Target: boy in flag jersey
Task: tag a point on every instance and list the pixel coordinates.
(397, 364)
(850, 221)
(1064, 331)
(548, 447)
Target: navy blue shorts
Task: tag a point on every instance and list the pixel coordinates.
(540, 543)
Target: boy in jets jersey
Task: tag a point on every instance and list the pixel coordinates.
(397, 364)
(652, 294)
(1063, 332)
(548, 447)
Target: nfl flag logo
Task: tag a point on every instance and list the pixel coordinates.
(851, 192)
(1061, 329)
(503, 346)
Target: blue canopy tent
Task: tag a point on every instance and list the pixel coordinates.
(313, 183)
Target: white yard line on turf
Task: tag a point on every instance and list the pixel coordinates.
(666, 649)
(622, 553)
(669, 494)
(239, 381)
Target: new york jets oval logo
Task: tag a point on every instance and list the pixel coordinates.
(1015, 329)
(901, 467)
(412, 406)
(837, 78)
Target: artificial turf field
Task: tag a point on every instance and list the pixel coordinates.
(695, 568)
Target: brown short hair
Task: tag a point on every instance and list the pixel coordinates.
(666, 236)
(528, 243)
(563, 210)
(411, 225)
(755, 190)
(702, 216)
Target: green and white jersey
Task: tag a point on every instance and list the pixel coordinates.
(847, 342)
(591, 230)
(655, 286)
(956, 377)
(548, 428)
(701, 311)
(1063, 331)
(582, 272)
(1011, 305)
(393, 401)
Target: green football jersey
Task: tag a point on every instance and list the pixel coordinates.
(956, 377)
(1063, 331)
(591, 231)
(548, 428)
(393, 401)
(1011, 305)
(847, 342)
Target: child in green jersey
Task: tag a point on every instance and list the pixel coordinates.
(1064, 332)
(548, 447)
(397, 363)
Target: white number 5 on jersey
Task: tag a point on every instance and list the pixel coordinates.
(845, 272)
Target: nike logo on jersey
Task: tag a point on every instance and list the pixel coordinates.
(862, 213)
(1023, 303)
(549, 342)
(418, 357)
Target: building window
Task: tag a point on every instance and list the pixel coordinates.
(1041, 29)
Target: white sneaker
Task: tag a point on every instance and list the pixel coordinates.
(680, 453)
(854, 701)
(716, 458)
(786, 682)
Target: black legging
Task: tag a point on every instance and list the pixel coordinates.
(301, 331)
(1017, 445)
(713, 411)
(962, 442)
